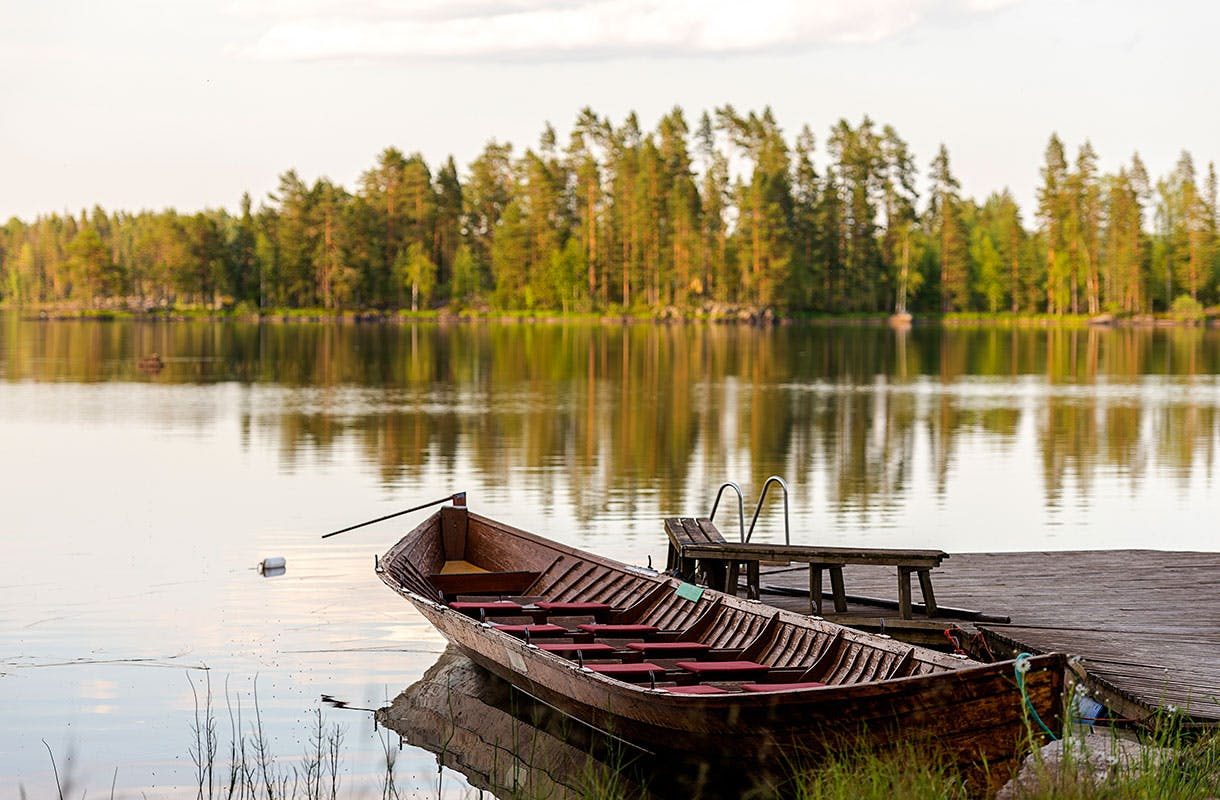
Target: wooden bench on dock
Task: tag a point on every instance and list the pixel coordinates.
(697, 542)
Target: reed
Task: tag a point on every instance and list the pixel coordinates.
(253, 771)
(1174, 762)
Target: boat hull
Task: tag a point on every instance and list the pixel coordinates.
(880, 695)
(971, 716)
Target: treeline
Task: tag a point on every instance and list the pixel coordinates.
(621, 219)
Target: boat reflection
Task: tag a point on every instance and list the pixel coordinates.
(510, 744)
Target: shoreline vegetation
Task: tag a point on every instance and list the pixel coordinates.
(1164, 762)
(711, 313)
(614, 220)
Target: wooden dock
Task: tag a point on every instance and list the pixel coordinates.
(1146, 623)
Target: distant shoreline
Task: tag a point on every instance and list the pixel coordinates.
(736, 316)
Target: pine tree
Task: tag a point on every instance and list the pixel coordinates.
(1052, 213)
(1083, 229)
(898, 188)
(447, 232)
(859, 165)
(945, 215)
(584, 165)
(807, 264)
(714, 197)
(488, 190)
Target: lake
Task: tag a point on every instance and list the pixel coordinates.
(136, 504)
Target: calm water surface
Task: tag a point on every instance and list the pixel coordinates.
(134, 506)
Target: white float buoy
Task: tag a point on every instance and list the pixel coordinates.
(272, 563)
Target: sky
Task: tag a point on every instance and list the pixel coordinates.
(147, 104)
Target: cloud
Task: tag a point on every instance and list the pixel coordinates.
(547, 29)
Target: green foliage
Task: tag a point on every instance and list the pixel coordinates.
(1186, 307)
(418, 273)
(465, 284)
(624, 219)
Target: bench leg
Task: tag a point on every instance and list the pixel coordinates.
(904, 592)
(731, 577)
(754, 591)
(925, 588)
(836, 588)
(671, 558)
(815, 589)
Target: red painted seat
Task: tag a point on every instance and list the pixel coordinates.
(606, 629)
(734, 668)
(640, 670)
(572, 608)
(577, 647)
(660, 648)
(533, 630)
(489, 606)
(780, 687)
(698, 688)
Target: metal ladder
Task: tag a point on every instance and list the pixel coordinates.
(745, 533)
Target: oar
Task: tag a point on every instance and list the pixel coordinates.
(458, 498)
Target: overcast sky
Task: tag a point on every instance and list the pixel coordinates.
(147, 104)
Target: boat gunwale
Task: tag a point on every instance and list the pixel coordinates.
(948, 665)
(828, 693)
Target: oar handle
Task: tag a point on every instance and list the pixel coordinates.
(458, 498)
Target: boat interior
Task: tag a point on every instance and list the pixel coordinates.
(630, 624)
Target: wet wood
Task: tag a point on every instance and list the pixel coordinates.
(1146, 623)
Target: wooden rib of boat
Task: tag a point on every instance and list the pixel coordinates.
(679, 668)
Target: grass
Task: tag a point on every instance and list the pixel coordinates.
(1008, 319)
(907, 773)
(251, 770)
(1174, 763)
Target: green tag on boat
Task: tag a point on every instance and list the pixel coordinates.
(689, 591)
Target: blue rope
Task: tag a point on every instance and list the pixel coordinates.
(1019, 668)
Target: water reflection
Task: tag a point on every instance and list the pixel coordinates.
(656, 415)
(137, 502)
(505, 742)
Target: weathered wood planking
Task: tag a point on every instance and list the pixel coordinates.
(1147, 622)
(842, 688)
(693, 541)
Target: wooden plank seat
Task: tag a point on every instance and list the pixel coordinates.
(473, 607)
(564, 648)
(780, 687)
(483, 583)
(722, 571)
(711, 670)
(695, 688)
(617, 629)
(671, 649)
(638, 671)
(572, 608)
(533, 631)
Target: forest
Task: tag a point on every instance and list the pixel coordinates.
(729, 213)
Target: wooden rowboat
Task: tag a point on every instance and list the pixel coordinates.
(675, 667)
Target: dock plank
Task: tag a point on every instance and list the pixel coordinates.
(1146, 622)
